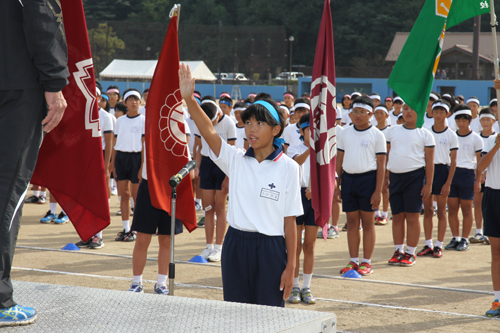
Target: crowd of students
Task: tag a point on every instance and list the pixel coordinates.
(418, 171)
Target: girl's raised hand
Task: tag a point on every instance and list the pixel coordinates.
(186, 81)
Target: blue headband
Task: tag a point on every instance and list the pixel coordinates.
(304, 125)
(225, 102)
(248, 104)
(198, 100)
(277, 141)
(106, 97)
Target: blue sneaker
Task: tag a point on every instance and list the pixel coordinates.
(161, 289)
(62, 218)
(495, 310)
(136, 287)
(17, 315)
(49, 217)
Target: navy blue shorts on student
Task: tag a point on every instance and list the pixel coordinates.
(308, 217)
(357, 190)
(462, 185)
(404, 191)
(148, 219)
(211, 176)
(127, 166)
(491, 212)
(441, 172)
(252, 265)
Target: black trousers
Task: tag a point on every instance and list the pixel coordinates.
(21, 115)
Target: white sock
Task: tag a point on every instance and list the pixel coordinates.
(497, 294)
(356, 260)
(410, 249)
(198, 201)
(126, 225)
(439, 244)
(43, 193)
(368, 261)
(306, 283)
(428, 242)
(203, 213)
(131, 203)
(385, 214)
(99, 234)
(479, 231)
(36, 193)
(138, 279)
(162, 280)
(296, 282)
(457, 238)
(399, 247)
(210, 246)
(435, 204)
(217, 247)
(53, 207)
(119, 198)
(377, 213)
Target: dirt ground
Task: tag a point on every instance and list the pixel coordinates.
(435, 295)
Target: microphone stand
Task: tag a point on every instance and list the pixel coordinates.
(171, 266)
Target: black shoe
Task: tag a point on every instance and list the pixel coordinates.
(96, 243)
(201, 222)
(32, 199)
(463, 245)
(82, 244)
(452, 245)
(121, 235)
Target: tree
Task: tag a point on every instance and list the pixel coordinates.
(104, 43)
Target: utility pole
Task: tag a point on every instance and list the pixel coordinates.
(475, 48)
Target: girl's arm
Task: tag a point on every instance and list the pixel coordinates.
(302, 158)
(205, 126)
(429, 172)
(291, 248)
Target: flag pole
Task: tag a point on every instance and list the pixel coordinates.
(495, 46)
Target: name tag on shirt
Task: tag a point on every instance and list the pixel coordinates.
(443, 141)
(365, 143)
(269, 194)
(136, 129)
(468, 148)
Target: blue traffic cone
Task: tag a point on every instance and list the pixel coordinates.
(352, 274)
(199, 259)
(70, 247)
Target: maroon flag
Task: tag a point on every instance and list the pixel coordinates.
(323, 137)
(166, 142)
(70, 163)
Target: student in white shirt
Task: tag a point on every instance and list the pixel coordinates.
(410, 172)
(113, 93)
(226, 105)
(258, 259)
(291, 133)
(462, 186)
(346, 119)
(445, 163)
(344, 109)
(241, 140)
(381, 114)
(474, 104)
(361, 154)
(398, 109)
(428, 121)
(145, 95)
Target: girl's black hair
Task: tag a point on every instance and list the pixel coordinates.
(289, 93)
(226, 99)
(344, 98)
(131, 89)
(114, 87)
(443, 100)
(98, 85)
(248, 100)
(486, 111)
(121, 107)
(382, 105)
(145, 91)
(260, 113)
(209, 109)
(450, 100)
(363, 100)
(212, 98)
(460, 107)
(107, 106)
(435, 93)
(262, 96)
(304, 119)
(239, 105)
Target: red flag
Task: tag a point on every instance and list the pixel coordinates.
(70, 163)
(166, 142)
(323, 138)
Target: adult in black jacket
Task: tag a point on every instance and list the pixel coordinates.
(33, 71)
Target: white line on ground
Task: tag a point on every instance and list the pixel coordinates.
(220, 288)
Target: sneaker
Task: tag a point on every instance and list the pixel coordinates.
(463, 245)
(201, 222)
(320, 233)
(344, 228)
(215, 255)
(130, 236)
(294, 297)
(486, 240)
(136, 287)
(350, 266)
(17, 315)
(493, 312)
(119, 212)
(41, 200)
(96, 243)
(451, 245)
(306, 296)
(132, 211)
(206, 253)
(426, 251)
(438, 252)
(32, 199)
(82, 244)
(49, 217)
(381, 221)
(477, 238)
(114, 191)
(161, 289)
(396, 258)
(332, 233)
(407, 260)
(365, 269)
(197, 206)
(62, 218)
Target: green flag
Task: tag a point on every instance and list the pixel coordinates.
(413, 73)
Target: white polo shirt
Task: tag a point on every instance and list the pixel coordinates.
(129, 133)
(493, 177)
(291, 135)
(261, 194)
(240, 137)
(407, 151)
(446, 141)
(226, 130)
(305, 168)
(107, 126)
(361, 148)
(468, 146)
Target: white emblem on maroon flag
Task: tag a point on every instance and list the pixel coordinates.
(83, 74)
(172, 129)
(324, 139)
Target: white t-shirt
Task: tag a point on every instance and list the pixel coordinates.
(112, 111)
(345, 117)
(361, 148)
(493, 177)
(193, 129)
(129, 133)
(261, 194)
(305, 168)
(394, 118)
(291, 135)
(446, 141)
(475, 125)
(468, 146)
(106, 125)
(240, 137)
(340, 112)
(226, 130)
(429, 122)
(143, 111)
(407, 151)
(383, 130)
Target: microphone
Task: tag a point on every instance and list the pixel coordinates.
(176, 179)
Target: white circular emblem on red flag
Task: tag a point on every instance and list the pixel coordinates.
(172, 129)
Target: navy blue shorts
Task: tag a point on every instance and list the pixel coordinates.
(462, 185)
(441, 172)
(404, 191)
(127, 166)
(211, 176)
(357, 190)
(148, 219)
(491, 212)
(252, 265)
(308, 217)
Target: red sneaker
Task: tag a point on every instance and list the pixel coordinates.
(381, 221)
(438, 252)
(365, 269)
(426, 251)
(350, 266)
(396, 258)
(407, 260)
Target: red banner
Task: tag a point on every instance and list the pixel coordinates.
(323, 109)
(70, 163)
(166, 142)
